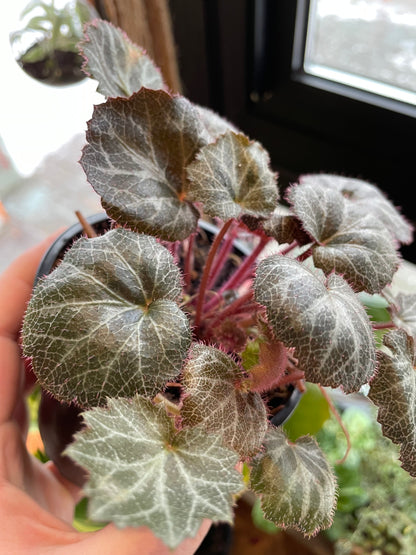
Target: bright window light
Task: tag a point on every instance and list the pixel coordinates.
(36, 119)
(366, 44)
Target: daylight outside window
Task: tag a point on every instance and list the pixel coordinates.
(366, 44)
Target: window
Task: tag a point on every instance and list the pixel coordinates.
(366, 44)
(245, 59)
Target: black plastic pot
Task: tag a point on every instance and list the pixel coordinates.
(100, 222)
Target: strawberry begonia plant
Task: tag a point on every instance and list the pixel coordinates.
(127, 317)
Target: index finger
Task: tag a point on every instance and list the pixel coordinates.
(16, 285)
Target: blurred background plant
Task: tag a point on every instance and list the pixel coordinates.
(376, 511)
(45, 46)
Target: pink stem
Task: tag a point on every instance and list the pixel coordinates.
(382, 326)
(241, 273)
(222, 255)
(340, 422)
(305, 255)
(207, 271)
(291, 377)
(232, 308)
(189, 261)
(289, 248)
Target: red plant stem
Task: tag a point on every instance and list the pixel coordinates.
(340, 422)
(304, 255)
(232, 308)
(241, 273)
(207, 271)
(222, 256)
(189, 261)
(87, 227)
(292, 377)
(382, 325)
(289, 248)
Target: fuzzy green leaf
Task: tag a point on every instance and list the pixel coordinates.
(295, 482)
(143, 472)
(352, 243)
(106, 321)
(368, 199)
(322, 318)
(120, 66)
(393, 390)
(212, 399)
(232, 178)
(135, 157)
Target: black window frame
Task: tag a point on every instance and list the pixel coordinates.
(244, 59)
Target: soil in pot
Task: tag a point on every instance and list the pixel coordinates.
(57, 68)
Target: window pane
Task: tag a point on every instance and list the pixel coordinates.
(367, 44)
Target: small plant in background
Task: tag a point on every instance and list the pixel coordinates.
(175, 345)
(46, 47)
(377, 499)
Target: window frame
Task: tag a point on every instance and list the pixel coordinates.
(252, 57)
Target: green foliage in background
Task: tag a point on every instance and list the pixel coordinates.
(376, 508)
(310, 414)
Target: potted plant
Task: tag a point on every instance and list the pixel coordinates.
(46, 45)
(172, 360)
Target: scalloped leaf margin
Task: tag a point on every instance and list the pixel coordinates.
(111, 58)
(211, 379)
(106, 322)
(296, 485)
(135, 158)
(349, 241)
(136, 460)
(393, 390)
(232, 178)
(322, 319)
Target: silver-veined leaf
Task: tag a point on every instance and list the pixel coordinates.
(295, 483)
(349, 241)
(215, 124)
(232, 177)
(213, 399)
(393, 390)
(402, 309)
(120, 66)
(135, 157)
(285, 227)
(322, 318)
(106, 321)
(369, 198)
(143, 472)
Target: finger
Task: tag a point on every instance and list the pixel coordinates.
(130, 541)
(16, 285)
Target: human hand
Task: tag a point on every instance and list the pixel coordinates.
(36, 502)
